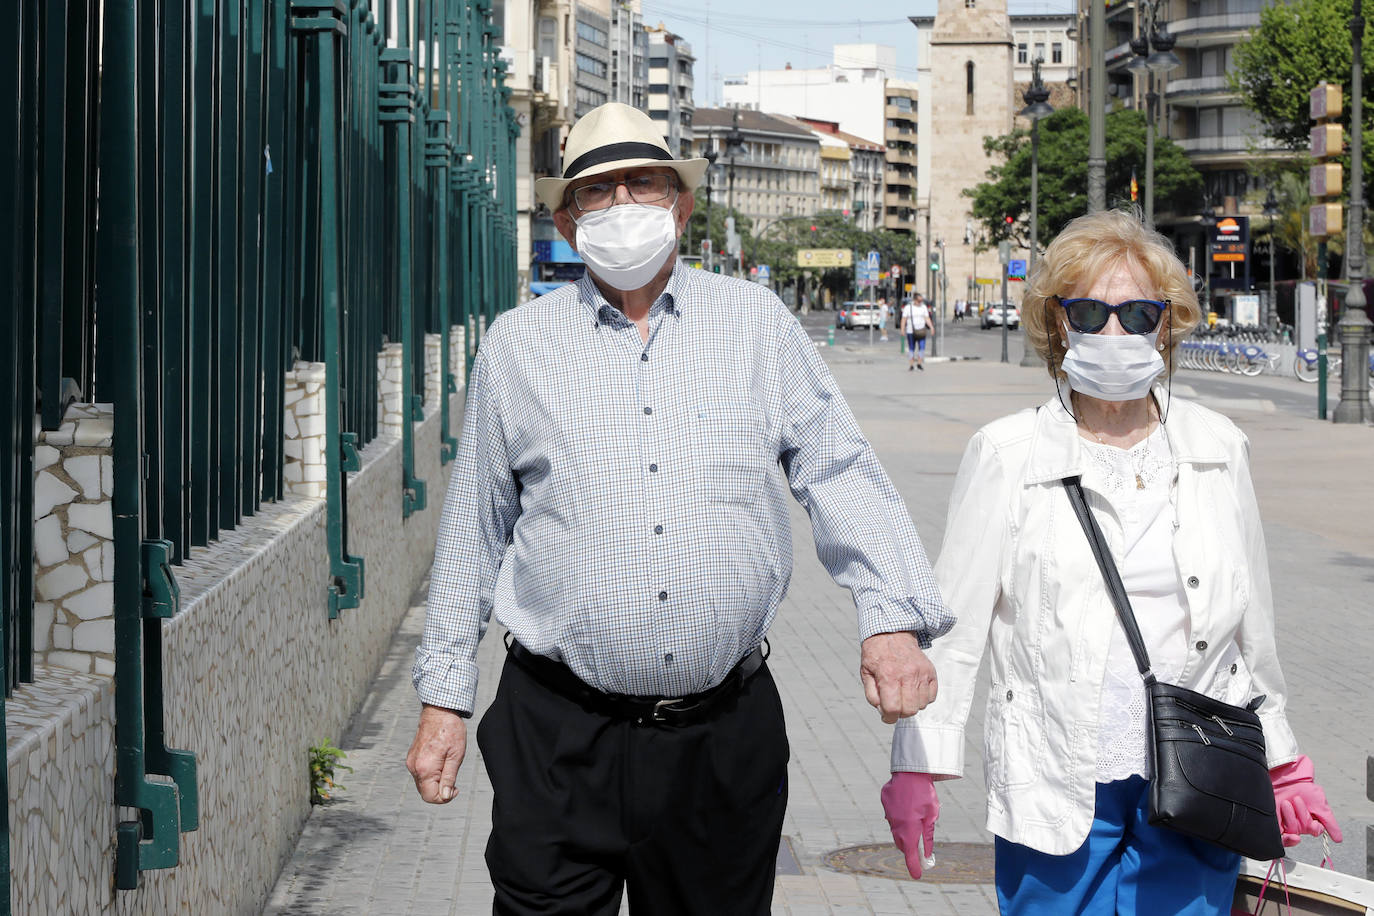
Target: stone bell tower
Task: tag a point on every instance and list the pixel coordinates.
(971, 97)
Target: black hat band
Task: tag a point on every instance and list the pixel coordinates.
(613, 153)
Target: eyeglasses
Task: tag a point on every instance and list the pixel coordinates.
(1137, 316)
(644, 189)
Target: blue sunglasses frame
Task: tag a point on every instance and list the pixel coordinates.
(1120, 309)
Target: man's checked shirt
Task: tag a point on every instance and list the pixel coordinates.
(617, 505)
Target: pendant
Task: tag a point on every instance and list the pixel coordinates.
(1139, 484)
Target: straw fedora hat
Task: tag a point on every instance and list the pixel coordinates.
(610, 137)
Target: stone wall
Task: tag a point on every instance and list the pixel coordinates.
(255, 673)
(73, 549)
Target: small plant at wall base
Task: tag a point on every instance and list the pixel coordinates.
(324, 761)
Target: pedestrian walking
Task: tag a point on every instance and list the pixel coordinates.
(1068, 734)
(916, 325)
(882, 319)
(614, 507)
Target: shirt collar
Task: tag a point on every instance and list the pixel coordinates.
(671, 299)
(1055, 451)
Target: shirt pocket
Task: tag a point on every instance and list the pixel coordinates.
(1232, 682)
(729, 450)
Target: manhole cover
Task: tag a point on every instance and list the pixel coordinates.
(955, 863)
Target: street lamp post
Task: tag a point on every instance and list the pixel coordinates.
(1209, 219)
(1154, 53)
(1271, 311)
(1354, 326)
(710, 156)
(734, 142)
(1037, 107)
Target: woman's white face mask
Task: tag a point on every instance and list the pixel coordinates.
(1112, 367)
(627, 244)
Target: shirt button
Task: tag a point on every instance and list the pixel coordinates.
(662, 596)
(1201, 645)
(648, 410)
(653, 469)
(1233, 669)
(1192, 582)
(644, 357)
(668, 658)
(658, 529)
(1009, 696)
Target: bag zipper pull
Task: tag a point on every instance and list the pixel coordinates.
(1218, 720)
(1200, 733)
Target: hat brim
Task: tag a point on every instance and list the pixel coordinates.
(549, 191)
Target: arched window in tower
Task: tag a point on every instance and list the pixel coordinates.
(968, 89)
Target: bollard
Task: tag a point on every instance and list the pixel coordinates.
(830, 337)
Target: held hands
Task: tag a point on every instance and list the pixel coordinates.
(1301, 802)
(912, 808)
(898, 678)
(436, 753)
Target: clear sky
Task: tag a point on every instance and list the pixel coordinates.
(732, 37)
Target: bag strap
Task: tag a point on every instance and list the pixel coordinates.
(1074, 487)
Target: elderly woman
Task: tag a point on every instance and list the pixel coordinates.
(1066, 732)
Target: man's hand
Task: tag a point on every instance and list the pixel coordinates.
(440, 743)
(898, 678)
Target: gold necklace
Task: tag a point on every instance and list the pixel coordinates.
(1139, 467)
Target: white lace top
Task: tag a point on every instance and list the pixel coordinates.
(1137, 483)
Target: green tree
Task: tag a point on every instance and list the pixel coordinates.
(1063, 184)
(1297, 46)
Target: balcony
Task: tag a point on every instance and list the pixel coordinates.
(1198, 90)
(1230, 143)
(900, 156)
(897, 198)
(1206, 31)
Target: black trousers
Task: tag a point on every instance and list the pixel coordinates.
(688, 818)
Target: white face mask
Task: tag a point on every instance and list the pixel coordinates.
(1113, 367)
(625, 245)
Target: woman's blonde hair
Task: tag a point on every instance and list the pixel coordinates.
(1090, 247)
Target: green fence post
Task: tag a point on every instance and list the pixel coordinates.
(154, 840)
(322, 20)
(396, 110)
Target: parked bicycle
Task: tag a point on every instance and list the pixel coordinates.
(1305, 365)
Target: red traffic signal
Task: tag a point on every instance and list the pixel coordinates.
(1009, 220)
(813, 228)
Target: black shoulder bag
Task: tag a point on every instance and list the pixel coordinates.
(1211, 779)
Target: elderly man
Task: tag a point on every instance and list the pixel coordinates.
(616, 506)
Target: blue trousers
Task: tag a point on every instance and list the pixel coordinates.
(1124, 868)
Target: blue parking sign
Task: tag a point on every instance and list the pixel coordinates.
(1016, 269)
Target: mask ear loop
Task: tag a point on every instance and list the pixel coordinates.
(1169, 362)
(1057, 390)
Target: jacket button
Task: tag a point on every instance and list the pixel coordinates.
(1201, 645)
(1008, 695)
(1233, 669)
(1193, 582)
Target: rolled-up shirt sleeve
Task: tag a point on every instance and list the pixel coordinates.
(475, 529)
(864, 535)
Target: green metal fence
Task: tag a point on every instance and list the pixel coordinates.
(235, 186)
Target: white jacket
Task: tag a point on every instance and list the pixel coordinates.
(1017, 570)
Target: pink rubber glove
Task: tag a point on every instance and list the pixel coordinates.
(912, 808)
(1301, 802)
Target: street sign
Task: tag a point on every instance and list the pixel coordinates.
(1016, 269)
(825, 257)
(896, 270)
(1231, 240)
(873, 263)
(763, 273)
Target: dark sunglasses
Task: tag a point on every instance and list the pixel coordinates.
(1137, 316)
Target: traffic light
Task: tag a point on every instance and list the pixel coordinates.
(1008, 219)
(935, 260)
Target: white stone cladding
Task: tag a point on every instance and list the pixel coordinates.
(73, 566)
(255, 673)
(964, 34)
(390, 410)
(433, 347)
(303, 470)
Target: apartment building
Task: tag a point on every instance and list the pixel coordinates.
(900, 122)
(671, 103)
(629, 54)
(865, 167)
(776, 169)
(592, 57)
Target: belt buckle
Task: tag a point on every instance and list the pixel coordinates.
(656, 714)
